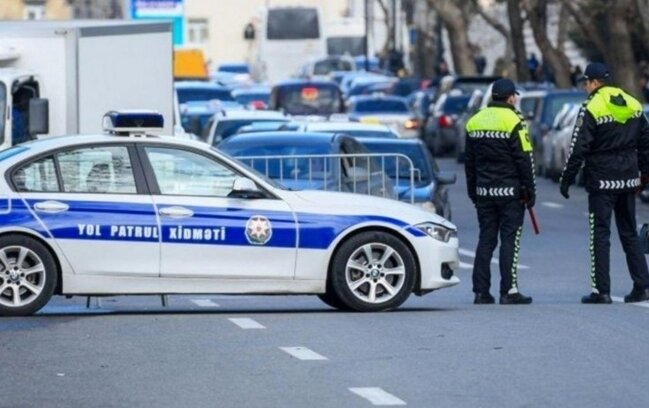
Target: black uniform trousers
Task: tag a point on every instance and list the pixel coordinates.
(504, 218)
(600, 207)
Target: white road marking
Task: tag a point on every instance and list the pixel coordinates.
(377, 396)
(303, 353)
(621, 300)
(204, 303)
(550, 204)
(465, 265)
(246, 323)
(471, 254)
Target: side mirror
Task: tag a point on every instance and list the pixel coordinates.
(446, 177)
(39, 116)
(358, 174)
(245, 188)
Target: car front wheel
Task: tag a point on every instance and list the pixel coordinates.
(373, 271)
(27, 276)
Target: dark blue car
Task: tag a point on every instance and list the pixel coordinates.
(431, 184)
(305, 97)
(311, 161)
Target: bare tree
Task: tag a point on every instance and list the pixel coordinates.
(454, 14)
(616, 49)
(554, 57)
(518, 43)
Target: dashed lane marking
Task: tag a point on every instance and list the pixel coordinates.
(303, 353)
(466, 265)
(377, 396)
(204, 303)
(471, 254)
(550, 204)
(246, 323)
(621, 300)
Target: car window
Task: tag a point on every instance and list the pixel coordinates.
(38, 176)
(101, 169)
(180, 172)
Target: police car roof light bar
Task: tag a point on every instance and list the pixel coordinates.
(133, 122)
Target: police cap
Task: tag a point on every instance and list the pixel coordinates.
(595, 70)
(503, 87)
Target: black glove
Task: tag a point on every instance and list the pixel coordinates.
(563, 188)
(531, 200)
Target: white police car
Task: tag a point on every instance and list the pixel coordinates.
(112, 214)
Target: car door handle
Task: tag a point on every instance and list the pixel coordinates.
(176, 212)
(51, 207)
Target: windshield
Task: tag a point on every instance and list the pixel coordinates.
(292, 24)
(456, 104)
(245, 99)
(381, 105)
(325, 67)
(310, 100)
(3, 108)
(204, 94)
(271, 160)
(195, 122)
(554, 103)
(414, 152)
(346, 45)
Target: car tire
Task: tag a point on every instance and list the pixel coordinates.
(376, 284)
(331, 299)
(28, 275)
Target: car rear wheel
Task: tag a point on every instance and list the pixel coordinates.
(27, 276)
(373, 271)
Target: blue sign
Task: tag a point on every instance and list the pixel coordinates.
(169, 10)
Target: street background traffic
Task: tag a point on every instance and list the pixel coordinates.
(363, 96)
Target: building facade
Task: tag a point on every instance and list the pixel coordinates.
(35, 9)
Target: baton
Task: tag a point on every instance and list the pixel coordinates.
(535, 224)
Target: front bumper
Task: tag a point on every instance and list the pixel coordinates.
(437, 262)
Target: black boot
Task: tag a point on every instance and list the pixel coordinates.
(483, 299)
(637, 295)
(597, 298)
(515, 299)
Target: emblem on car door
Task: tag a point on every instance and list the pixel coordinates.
(258, 230)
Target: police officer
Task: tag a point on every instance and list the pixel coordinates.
(500, 182)
(612, 137)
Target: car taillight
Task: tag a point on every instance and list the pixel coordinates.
(445, 121)
(411, 124)
(258, 105)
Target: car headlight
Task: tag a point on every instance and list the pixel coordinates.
(437, 231)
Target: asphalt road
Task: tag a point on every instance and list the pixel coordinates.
(436, 351)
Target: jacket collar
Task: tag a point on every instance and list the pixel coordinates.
(495, 104)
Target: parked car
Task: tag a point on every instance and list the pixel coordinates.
(323, 67)
(544, 116)
(557, 142)
(233, 74)
(354, 129)
(364, 84)
(441, 133)
(225, 124)
(202, 91)
(256, 97)
(388, 110)
(194, 116)
(473, 106)
(307, 97)
(311, 161)
(430, 184)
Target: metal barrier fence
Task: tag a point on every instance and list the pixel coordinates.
(369, 173)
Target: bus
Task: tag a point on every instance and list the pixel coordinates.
(289, 37)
